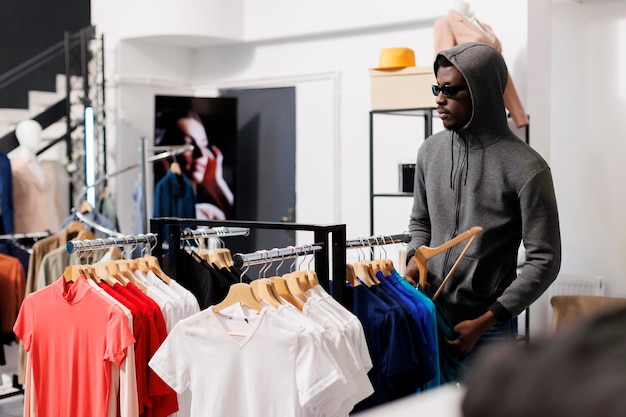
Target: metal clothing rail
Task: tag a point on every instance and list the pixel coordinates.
(216, 232)
(330, 261)
(93, 224)
(31, 235)
(259, 257)
(378, 240)
(167, 152)
(109, 242)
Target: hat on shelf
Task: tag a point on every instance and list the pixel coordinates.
(396, 58)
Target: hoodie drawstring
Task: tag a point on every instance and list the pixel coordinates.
(452, 168)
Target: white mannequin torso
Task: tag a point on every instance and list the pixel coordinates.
(465, 9)
(28, 134)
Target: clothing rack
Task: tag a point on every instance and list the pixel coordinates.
(263, 256)
(102, 243)
(215, 232)
(378, 240)
(81, 217)
(330, 260)
(166, 152)
(145, 160)
(32, 235)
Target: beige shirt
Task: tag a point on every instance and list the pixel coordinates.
(36, 204)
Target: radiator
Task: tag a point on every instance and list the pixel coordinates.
(574, 285)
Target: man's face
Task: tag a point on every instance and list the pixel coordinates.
(456, 111)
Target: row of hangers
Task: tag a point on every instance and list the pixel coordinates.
(219, 256)
(120, 269)
(290, 287)
(365, 271)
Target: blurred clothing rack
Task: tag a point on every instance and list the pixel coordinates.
(330, 261)
(213, 232)
(102, 243)
(263, 256)
(82, 218)
(379, 240)
(32, 235)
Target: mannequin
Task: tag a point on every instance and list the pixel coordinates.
(460, 26)
(36, 201)
(28, 133)
(465, 9)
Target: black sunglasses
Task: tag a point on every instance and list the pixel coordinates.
(447, 90)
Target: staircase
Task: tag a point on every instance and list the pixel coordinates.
(41, 105)
(61, 114)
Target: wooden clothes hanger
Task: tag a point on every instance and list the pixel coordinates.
(365, 273)
(85, 207)
(294, 286)
(424, 253)
(239, 293)
(280, 284)
(175, 168)
(351, 276)
(264, 289)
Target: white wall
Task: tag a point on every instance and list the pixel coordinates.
(588, 138)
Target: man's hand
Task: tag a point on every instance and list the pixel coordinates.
(469, 332)
(411, 274)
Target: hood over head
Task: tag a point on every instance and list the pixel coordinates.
(485, 72)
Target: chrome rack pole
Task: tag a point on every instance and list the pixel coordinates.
(87, 245)
(263, 256)
(379, 240)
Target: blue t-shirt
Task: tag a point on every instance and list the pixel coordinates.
(430, 307)
(407, 383)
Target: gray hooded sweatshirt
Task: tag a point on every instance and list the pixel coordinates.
(484, 175)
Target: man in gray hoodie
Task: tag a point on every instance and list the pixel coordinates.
(478, 173)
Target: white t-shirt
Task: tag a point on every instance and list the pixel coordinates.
(343, 388)
(319, 311)
(274, 369)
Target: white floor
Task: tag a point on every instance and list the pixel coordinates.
(14, 405)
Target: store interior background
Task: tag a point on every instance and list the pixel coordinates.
(567, 58)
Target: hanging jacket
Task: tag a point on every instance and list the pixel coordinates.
(484, 175)
(174, 197)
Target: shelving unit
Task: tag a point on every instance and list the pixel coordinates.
(426, 115)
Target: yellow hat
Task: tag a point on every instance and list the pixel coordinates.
(395, 58)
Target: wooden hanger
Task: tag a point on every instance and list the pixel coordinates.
(154, 266)
(74, 227)
(221, 257)
(364, 271)
(424, 253)
(175, 168)
(294, 287)
(303, 280)
(351, 276)
(126, 273)
(264, 289)
(384, 265)
(102, 273)
(72, 272)
(239, 293)
(280, 284)
(84, 234)
(312, 277)
(85, 207)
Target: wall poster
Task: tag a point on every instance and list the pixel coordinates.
(208, 172)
